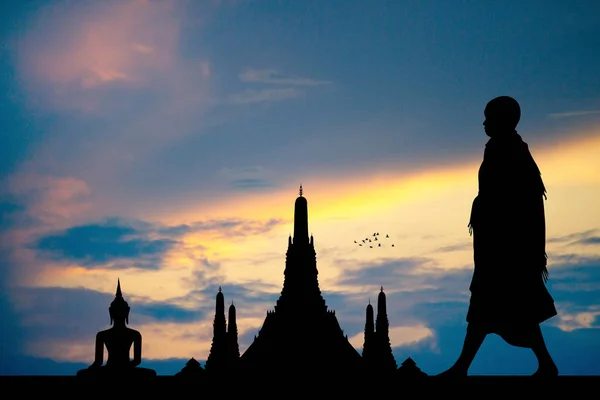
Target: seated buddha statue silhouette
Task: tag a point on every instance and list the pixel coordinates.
(118, 340)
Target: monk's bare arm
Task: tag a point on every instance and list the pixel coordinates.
(137, 349)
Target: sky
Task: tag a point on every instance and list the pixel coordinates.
(163, 143)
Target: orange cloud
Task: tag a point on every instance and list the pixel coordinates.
(119, 63)
(89, 45)
(56, 202)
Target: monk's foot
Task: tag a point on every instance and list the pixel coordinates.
(453, 372)
(546, 371)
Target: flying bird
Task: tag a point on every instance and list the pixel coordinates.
(379, 244)
(392, 245)
(387, 236)
(371, 247)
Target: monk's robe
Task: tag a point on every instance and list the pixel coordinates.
(508, 291)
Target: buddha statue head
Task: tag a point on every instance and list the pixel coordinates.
(119, 309)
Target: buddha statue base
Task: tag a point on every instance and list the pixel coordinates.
(105, 372)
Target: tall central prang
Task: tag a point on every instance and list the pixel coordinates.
(300, 331)
(301, 293)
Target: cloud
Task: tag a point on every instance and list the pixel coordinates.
(114, 76)
(49, 200)
(594, 240)
(225, 228)
(573, 237)
(572, 114)
(272, 76)
(8, 213)
(575, 286)
(100, 245)
(62, 322)
(250, 96)
(394, 273)
(252, 184)
(400, 336)
(75, 53)
(454, 247)
(250, 177)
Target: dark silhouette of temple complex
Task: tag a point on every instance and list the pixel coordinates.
(300, 331)
(299, 334)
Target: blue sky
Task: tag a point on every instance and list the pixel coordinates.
(164, 142)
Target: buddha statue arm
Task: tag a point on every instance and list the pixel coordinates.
(99, 353)
(137, 350)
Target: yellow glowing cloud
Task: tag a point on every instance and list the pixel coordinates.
(422, 213)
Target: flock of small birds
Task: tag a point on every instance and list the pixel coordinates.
(372, 239)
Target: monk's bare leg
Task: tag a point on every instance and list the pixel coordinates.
(546, 366)
(473, 340)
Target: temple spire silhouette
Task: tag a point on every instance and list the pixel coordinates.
(369, 343)
(217, 358)
(301, 284)
(385, 357)
(118, 293)
(233, 348)
(300, 219)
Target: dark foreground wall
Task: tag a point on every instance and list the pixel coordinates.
(318, 387)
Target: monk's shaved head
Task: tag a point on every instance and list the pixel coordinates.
(503, 112)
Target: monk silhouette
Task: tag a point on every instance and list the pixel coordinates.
(508, 292)
(118, 340)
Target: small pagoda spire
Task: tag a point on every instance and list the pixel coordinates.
(233, 348)
(118, 293)
(369, 344)
(300, 191)
(301, 236)
(217, 356)
(385, 356)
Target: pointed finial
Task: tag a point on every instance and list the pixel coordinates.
(300, 191)
(118, 294)
(382, 288)
(219, 289)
